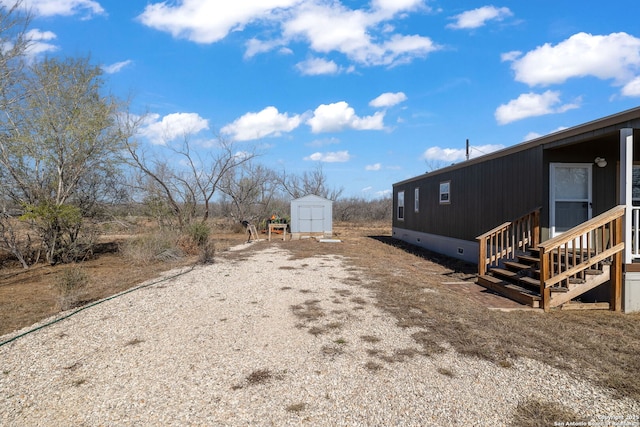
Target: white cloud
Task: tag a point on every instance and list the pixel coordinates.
(388, 99)
(632, 88)
(160, 131)
(373, 167)
(363, 35)
(116, 67)
(323, 142)
(531, 105)
(510, 56)
(534, 135)
(451, 155)
(268, 122)
(339, 116)
(392, 7)
(209, 21)
(38, 42)
(615, 56)
(59, 7)
(383, 193)
(478, 17)
(317, 66)
(331, 27)
(330, 157)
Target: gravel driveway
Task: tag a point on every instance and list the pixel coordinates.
(266, 340)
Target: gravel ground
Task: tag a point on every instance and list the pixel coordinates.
(264, 341)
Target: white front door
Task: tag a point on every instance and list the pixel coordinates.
(570, 196)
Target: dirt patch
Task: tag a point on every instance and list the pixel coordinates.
(28, 296)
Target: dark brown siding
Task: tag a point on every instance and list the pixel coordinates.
(483, 196)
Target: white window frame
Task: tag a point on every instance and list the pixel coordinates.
(416, 199)
(400, 211)
(445, 192)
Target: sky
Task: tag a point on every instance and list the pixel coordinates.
(373, 92)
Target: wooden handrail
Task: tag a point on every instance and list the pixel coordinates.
(573, 252)
(585, 227)
(504, 240)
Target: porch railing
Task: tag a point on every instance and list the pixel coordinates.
(571, 254)
(505, 240)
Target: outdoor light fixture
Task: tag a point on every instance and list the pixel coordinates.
(600, 161)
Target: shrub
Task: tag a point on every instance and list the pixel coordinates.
(199, 233)
(206, 253)
(70, 285)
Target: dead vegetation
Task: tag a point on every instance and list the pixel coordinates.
(410, 284)
(406, 282)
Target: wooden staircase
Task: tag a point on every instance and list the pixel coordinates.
(519, 280)
(551, 274)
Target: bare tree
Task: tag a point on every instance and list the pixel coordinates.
(191, 178)
(248, 192)
(310, 182)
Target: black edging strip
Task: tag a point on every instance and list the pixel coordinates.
(66, 316)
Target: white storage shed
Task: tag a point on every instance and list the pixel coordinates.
(311, 216)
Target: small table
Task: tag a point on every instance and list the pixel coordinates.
(274, 226)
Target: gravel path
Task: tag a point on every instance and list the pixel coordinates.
(264, 341)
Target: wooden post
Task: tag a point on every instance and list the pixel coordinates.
(616, 268)
(482, 257)
(544, 275)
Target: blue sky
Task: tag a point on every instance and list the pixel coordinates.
(376, 91)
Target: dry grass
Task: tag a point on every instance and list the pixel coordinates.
(538, 413)
(600, 346)
(29, 296)
(296, 407)
(407, 283)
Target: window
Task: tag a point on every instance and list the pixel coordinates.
(416, 200)
(445, 192)
(401, 205)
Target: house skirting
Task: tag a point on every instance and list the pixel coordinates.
(468, 251)
(454, 248)
(631, 288)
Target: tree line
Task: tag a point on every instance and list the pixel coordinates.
(69, 154)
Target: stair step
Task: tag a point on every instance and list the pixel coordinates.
(510, 290)
(561, 289)
(513, 277)
(528, 259)
(516, 266)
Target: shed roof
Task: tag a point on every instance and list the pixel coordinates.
(311, 197)
(606, 125)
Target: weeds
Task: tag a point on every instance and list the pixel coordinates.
(308, 311)
(146, 249)
(70, 285)
(370, 339)
(446, 372)
(296, 407)
(538, 413)
(315, 330)
(79, 382)
(259, 377)
(133, 342)
(373, 366)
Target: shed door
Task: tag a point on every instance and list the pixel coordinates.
(570, 196)
(311, 218)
